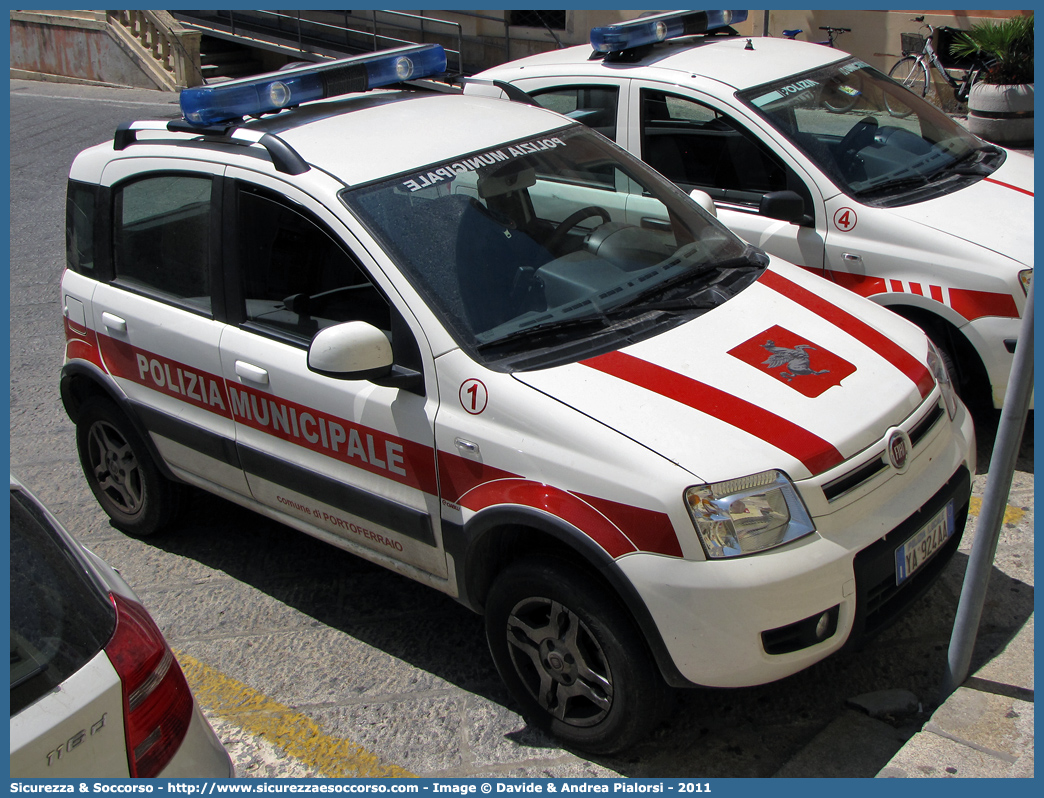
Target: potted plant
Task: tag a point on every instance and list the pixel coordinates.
(1000, 105)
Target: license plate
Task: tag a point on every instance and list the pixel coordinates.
(919, 549)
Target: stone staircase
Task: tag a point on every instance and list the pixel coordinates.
(221, 59)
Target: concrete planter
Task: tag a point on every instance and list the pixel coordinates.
(1001, 114)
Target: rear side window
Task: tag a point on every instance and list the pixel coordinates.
(79, 227)
(595, 106)
(161, 237)
(60, 617)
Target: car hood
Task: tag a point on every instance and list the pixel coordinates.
(995, 213)
(792, 373)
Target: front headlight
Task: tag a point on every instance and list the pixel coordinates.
(937, 364)
(747, 515)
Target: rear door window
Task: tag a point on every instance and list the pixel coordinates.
(595, 106)
(161, 237)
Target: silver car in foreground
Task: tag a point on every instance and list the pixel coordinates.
(95, 689)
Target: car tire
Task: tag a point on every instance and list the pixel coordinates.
(121, 473)
(572, 658)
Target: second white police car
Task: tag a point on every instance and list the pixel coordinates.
(822, 160)
(477, 343)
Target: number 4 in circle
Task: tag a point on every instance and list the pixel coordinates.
(845, 219)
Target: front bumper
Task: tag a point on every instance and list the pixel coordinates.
(712, 615)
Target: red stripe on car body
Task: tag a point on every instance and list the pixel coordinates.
(477, 486)
(1007, 185)
(815, 453)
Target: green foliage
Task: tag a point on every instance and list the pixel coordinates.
(1009, 44)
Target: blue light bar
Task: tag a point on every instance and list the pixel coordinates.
(660, 27)
(265, 94)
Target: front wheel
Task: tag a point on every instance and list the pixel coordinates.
(911, 73)
(121, 473)
(572, 658)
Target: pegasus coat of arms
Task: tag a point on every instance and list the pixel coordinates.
(796, 360)
(790, 357)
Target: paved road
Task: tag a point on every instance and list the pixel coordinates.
(310, 661)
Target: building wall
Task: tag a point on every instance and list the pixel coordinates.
(76, 46)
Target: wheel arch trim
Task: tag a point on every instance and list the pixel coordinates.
(471, 543)
(80, 372)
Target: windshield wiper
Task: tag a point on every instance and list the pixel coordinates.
(552, 327)
(752, 257)
(970, 164)
(891, 185)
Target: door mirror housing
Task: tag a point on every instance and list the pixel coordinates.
(353, 350)
(705, 201)
(787, 206)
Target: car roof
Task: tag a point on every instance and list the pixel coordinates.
(364, 137)
(728, 60)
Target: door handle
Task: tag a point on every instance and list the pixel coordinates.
(853, 263)
(651, 223)
(114, 323)
(251, 373)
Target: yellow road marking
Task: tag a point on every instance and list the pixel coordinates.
(1012, 515)
(288, 730)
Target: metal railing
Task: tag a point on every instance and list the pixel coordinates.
(327, 34)
(174, 48)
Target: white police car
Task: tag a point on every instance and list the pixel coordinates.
(822, 160)
(475, 342)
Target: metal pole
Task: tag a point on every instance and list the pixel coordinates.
(994, 500)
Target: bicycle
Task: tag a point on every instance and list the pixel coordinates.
(840, 98)
(832, 34)
(913, 70)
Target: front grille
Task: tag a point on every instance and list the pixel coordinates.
(839, 487)
(925, 424)
(846, 483)
(879, 601)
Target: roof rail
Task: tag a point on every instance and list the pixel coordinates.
(284, 157)
(512, 92)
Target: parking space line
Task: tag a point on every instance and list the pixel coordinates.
(1012, 515)
(282, 727)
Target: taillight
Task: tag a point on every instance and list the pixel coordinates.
(157, 704)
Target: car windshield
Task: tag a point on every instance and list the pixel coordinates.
(879, 142)
(541, 248)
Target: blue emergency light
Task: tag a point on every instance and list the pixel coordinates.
(660, 27)
(265, 94)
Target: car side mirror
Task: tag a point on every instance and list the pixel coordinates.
(353, 350)
(787, 206)
(705, 201)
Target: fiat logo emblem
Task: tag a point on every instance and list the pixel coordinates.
(898, 449)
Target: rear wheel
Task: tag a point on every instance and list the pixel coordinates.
(572, 658)
(912, 74)
(122, 475)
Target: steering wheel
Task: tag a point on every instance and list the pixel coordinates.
(861, 134)
(572, 220)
